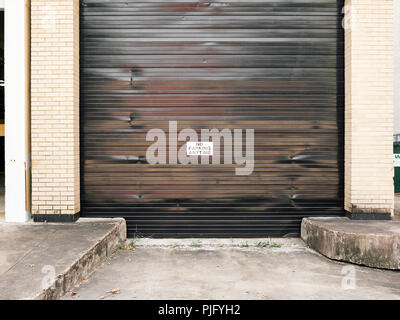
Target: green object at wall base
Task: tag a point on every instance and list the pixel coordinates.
(396, 150)
(397, 179)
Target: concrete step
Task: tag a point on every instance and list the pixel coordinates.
(45, 260)
(367, 242)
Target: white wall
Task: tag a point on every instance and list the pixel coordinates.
(397, 67)
(16, 35)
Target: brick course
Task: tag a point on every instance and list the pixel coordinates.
(55, 106)
(369, 106)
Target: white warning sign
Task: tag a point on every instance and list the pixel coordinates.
(199, 148)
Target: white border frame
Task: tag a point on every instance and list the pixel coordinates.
(16, 71)
(396, 67)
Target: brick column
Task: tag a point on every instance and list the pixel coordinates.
(55, 110)
(369, 109)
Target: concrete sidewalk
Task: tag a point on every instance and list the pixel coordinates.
(42, 261)
(232, 269)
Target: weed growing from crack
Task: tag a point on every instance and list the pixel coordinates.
(131, 245)
(244, 245)
(263, 244)
(196, 244)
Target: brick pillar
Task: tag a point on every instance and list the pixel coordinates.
(55, 110)
(369, 109)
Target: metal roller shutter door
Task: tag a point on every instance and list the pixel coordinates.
(274, 66)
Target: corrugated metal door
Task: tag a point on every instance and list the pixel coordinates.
(275, 66)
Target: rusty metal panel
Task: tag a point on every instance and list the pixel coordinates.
(275, 66)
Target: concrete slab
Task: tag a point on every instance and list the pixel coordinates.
(42, 261)
(367, 242)
(221, 269)
(219, 243)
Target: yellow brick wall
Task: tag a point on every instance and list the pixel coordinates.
(369, 106)
(55, 106)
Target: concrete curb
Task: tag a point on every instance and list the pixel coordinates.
(86, 263)
(370, 243)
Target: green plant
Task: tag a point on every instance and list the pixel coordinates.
(275, 245)
(131, 245)
(262, 244)
(121, 243)
(196, 244)
(244, 245)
